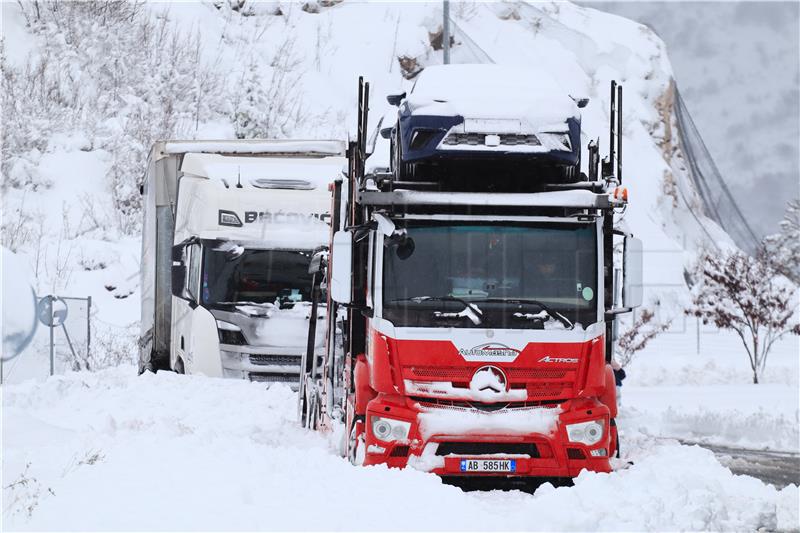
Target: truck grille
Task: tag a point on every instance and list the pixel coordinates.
(463, 373)
(463, 405)
(262, 377)
(540, 383)
(488, 448)
(267, 359)
(479, 139)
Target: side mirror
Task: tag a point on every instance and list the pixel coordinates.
(341, 277)
(386, 133)
(179, 281)
(395, 99)
(317, 262)
(632, 280)
(580, 102)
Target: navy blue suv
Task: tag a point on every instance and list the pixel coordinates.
(485, 119)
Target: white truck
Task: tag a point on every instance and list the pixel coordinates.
(229, 230)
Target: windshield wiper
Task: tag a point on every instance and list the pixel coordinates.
(476, 317)
(546, 308)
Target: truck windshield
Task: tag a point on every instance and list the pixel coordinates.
(516, 276)
(233, 274)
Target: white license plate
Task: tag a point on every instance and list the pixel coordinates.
(488, 465)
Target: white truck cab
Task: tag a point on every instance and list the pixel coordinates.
(230, 228)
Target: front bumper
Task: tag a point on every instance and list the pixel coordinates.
(267, 364)
(536, 454)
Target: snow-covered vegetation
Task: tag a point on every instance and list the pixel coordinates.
(747, 295)
(88, 86)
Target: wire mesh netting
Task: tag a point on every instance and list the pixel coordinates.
(718, 201)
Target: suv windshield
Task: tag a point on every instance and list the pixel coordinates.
(233, 274)
(516, 275)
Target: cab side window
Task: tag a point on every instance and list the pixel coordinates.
(193, 274)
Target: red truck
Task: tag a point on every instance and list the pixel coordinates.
(469, 331)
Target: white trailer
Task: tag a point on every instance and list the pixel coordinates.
(229, 230)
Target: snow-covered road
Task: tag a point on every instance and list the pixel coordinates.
(112, 450)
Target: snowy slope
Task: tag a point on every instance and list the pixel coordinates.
(738, 67)
(111, 451)
(582, 48)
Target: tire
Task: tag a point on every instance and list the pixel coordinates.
(355, 445)
(401, 170)
(179, 367)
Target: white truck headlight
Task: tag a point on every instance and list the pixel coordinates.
(388, 429)
(227, 326)
(585, 432)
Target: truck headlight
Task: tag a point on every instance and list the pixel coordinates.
(585, 432)
(230, 333)
(388, 430)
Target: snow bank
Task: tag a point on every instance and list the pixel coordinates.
(115, 451)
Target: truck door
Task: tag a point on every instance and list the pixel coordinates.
(195, 342)
(181, 360)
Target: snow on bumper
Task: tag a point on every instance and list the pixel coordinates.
(535, 437)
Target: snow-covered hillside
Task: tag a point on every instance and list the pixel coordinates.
(285, 69)
(738, 67)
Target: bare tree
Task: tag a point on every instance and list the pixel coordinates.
(784, 248)
(644, 328)
(747, 295)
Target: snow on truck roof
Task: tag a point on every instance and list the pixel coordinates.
(265, 172)
(309, 148)
(491, 91)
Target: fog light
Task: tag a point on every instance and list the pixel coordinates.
(491, 140)
(600, 452)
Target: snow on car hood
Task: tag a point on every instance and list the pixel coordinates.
(492, 92)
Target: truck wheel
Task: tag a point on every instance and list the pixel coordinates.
(402, 170)
(355, 443)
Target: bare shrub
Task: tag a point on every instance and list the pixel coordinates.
(747, 295)
(146, 82)
(783, 248)
(409, 66)
(273, 109)
(24, 494)
(113, 346)
(635, 338)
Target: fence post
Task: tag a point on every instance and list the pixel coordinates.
(88, 327)
(697, 322)
(51, 342)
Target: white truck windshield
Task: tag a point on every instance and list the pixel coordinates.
(232, 275)
(518, 276)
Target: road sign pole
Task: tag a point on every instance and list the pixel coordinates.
(51, 348)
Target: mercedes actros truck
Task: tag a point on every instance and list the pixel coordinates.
(470, 318)
(229, 230)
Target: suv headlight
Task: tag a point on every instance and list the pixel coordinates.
(586, 432)
(388, 430)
